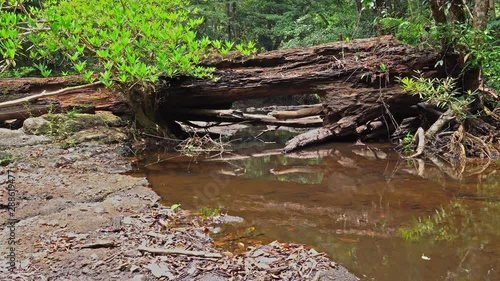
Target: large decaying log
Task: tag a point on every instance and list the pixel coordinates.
(298, 113)
(32, 103)
(356, 81)
(229, 115)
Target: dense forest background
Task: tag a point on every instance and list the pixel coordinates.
(298, 23)
(468, 27)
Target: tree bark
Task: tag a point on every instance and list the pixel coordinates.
(356, 82)
(480, 14)
(335, 67)
(31, 103)
(183, 114)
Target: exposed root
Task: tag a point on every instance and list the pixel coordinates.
(457, 149)
(420, 136)
(444, 119)
(480, 144)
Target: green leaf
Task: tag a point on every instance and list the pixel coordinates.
(174, 207)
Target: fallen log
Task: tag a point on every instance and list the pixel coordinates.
(341, 129)
(22, 98)
(304, 112)
(45, 94)
(356, 82)
(229, 115)
(22, 112)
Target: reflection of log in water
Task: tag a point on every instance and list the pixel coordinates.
(297, 169)
(439, 168)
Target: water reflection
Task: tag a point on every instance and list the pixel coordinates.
(353, 202)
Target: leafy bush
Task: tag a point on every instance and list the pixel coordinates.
(132, 41)
(126, 42)
(441, 92)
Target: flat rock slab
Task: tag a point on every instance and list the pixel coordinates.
(78, 217)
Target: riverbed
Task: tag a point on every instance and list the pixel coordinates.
(381, 216)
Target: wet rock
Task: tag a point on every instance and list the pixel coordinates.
(101, 134)
(18, 138)
(221, 219)
(338, 274)
(211, 277)
(36, 126)
(160, 270)
(139, 277)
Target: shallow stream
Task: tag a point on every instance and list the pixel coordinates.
(382, 217)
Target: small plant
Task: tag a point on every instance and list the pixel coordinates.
(5, 159)
(59, 127)
(73, 112)
(175, 207)
(209, 212)
(435, 226)
(68, 144)
(408, 143)
(441, 92)
(42, 67)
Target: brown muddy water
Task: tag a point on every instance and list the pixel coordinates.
(381, 217)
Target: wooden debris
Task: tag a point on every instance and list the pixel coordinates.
(46, 94)
(179, 252)
(99, 244)
(298, 113)
(228, 115)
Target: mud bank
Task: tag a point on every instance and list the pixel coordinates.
(74, 215)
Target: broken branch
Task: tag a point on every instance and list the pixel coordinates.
(179, 252)
(45, 94)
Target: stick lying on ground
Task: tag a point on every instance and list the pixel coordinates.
(179, 252)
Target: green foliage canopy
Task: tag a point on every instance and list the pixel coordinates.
(127, 42)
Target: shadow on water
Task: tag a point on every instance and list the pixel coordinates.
(382, 217)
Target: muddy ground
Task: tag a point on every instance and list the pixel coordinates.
(78, 216)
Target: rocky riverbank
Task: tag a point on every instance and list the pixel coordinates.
(77, 216)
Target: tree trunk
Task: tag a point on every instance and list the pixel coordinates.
(480, 14)
(85, 99)
(356, 82)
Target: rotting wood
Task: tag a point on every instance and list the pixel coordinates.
(46, 94)
(446, 117)
(301, 71)
(161, 251)
(99, 244)
(86, 99)
(297, 113)
(229, 115)
(24, 112)
(346, 75)
(343, 128)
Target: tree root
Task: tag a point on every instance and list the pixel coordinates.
(420, 136)
(480, 143)
(455, 144)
